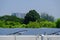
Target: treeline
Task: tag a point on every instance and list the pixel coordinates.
(31, 20)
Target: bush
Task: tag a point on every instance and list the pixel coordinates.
(33, 25)
(47, 24)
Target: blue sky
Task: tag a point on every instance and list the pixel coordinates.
(52, 7)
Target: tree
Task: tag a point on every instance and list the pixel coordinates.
(47, 17)
(32, 15)
(58, 23)
(11, 18)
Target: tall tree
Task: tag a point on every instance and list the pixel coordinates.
(58, 23)
(32, 15)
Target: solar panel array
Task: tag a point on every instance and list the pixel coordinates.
(29, 31)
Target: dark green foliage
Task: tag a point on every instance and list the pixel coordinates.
(11, 18)
(58, 23)
(32, 15)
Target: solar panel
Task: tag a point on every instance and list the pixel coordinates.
(29, 31)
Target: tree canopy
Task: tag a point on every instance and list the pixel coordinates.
(11, 18)
(58, 23)
(32, 15)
